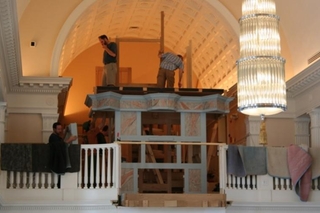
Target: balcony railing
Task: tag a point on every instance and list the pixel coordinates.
(98, 180)
(102, 173)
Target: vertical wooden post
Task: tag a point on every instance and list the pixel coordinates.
(162, 32)
(189, 65)
(118, 62)
(111, 133)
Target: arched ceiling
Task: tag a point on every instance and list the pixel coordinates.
(214, 41)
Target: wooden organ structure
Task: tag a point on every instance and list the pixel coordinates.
(155, 127)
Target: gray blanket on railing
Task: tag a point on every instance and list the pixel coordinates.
(234, 162)
(277, 161)
(246, 160)
(34, 157)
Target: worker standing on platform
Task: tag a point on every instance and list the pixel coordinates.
(169, 63)
(109, 60)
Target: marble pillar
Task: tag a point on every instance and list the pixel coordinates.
(47, 121)
(253, 130)
(2, 121)
(315, 127)
(302, 131)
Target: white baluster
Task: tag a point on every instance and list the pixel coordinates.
(23, 178)
(108, 168)
(42, 180)
(50, 180)
(238, 181)
(11, 179)
(282, 184)
(18, 179)
(276, 183)
(229, 181)
(103, 170)
(26, 179)
(91, 168)
(316, 184)
(118, 167)
(249, 182)
(114, 167)
(97, 176)
(54, 180)
(233, 182)
(35, 177)
(85, 169)
(254, 181)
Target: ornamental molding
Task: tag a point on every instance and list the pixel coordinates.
(11, 77)
(42, 84)
(112, 101)
(305, 80)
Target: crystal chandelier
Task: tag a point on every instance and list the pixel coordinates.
(261, 74)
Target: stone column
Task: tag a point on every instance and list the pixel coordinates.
(47, 121)
(302, 131)
(2, 121)
(253, 130)
(315, 127)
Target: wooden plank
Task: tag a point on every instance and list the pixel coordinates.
(176, 200)
(170, 203)
(211, 149)
(162, 32)
(205, 203)
(146, 90)
(189, 65)
(165, 196)
(145, 203)
(153, 170)
(155, 187)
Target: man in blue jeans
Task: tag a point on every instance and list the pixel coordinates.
(169, 63)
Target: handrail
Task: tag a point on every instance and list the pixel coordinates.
(172, 143)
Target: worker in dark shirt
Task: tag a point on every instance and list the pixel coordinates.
(58, 150)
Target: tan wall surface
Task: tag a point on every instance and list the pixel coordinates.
(41, 22)
(24, 128)
(280, 132)
(142, 57)
(82, 70)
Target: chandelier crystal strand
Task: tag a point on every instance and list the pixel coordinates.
(261, 74)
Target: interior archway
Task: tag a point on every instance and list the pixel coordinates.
(210, 27)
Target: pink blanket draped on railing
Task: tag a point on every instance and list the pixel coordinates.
(299, 162)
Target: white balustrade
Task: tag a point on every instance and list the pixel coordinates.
(100, 168)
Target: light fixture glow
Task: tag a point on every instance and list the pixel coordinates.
(261, 74)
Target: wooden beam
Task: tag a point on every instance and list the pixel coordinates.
(171, 143)
(211, 149)
(153, 160)
(137, 40)
(162, 32)
(189, 65)
(118, 60)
